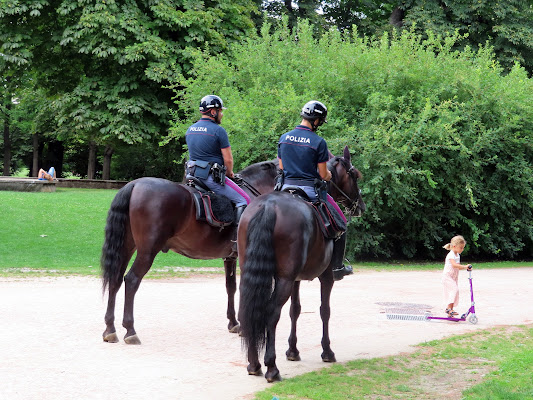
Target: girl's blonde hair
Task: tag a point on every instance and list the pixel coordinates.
(456, 240)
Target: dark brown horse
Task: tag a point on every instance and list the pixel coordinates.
(280, 244)
(150, 215)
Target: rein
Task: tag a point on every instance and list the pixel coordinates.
(341, 192)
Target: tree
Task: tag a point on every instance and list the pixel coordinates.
(369, 16)
(507, 26)
(33, 120)
(11, 87)
(293, 10)
(6, 117)
(109, 63)
(443, 139)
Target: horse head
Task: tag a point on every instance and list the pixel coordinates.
(344, 182)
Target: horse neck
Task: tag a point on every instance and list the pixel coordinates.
(261, 175)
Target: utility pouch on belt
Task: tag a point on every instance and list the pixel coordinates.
(219, 173)
(198, 169)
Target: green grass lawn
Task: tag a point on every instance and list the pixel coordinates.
(63, 231)
(491, 364)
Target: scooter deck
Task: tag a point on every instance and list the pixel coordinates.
(448, 318)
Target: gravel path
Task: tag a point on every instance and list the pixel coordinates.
(51, 345)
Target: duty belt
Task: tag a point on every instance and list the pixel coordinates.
(299, 182)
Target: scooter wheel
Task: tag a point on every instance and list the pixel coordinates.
(472, 319)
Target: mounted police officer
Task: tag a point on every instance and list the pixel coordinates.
(210, 157)
(303, 157)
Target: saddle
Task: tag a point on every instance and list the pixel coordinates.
(329, 220)
(214, 209)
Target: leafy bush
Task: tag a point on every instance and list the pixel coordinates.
(443, 140)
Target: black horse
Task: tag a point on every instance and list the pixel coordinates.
(152, 215)
(280, 243)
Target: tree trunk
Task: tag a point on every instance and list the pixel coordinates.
(35, 161)
(92, 161)
(7, 141)
(290, 12)
(396, 17)
(106, 168)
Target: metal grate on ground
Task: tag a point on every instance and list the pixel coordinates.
(406, 311)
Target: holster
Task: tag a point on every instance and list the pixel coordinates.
(219, 173)
(279, 180)
(321, 190)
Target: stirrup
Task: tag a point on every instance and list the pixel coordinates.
(340, 273)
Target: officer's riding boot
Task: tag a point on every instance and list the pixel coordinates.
(238, 214)
(339, 269)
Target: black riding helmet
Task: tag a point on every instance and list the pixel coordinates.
(211, 101)
(313, 110)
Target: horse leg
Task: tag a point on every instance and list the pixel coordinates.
(230, 266)
(110, 333)
(292, 353)
(254, 366)
(132, 280)
(326, 284)
(280, 296)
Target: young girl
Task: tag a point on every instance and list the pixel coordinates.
(451, 273)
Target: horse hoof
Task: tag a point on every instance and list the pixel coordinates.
(275, 378)
(257, 372)
(133, 339)
(235, 329)
(329, 358)
(293, 356)
(111, 338)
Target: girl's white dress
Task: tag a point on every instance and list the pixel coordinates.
(450, 277)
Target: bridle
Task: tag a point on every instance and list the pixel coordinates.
(350, 170)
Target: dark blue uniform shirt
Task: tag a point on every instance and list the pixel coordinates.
(300, 151)
(205, 139)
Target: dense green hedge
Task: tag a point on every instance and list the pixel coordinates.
(444, 141)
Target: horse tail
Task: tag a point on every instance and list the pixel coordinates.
(258, 278)
(115, 232)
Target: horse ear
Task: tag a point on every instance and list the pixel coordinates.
(346, 154)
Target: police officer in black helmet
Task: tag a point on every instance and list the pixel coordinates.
(209, 145)
(303, 157)
(302, 153)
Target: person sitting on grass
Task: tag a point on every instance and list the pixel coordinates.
(49, 176)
